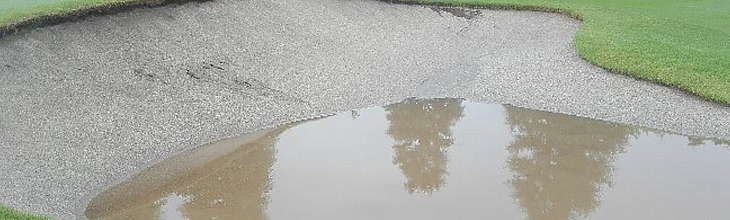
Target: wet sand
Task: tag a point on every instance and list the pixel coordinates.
(85, 104)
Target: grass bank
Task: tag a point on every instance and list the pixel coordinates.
(9, 214)
(23, 14)
(679, 43)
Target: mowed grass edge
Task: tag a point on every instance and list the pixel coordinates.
(10, 214)
(12, 21)
(683, 44)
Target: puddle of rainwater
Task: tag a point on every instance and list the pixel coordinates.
(435, 159)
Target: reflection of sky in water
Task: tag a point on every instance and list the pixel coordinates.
(452, 159)
(171, 207)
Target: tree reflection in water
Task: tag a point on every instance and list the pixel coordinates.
(421, 130)
(560, 163)
(239, 190)
(232, 186)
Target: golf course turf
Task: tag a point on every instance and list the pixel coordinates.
(9, 214)
(17, 11)
(23, 14)
(679, 43)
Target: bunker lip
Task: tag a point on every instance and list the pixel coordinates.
(78, 14)
(489, 6)
(117, 7)
(566, 12)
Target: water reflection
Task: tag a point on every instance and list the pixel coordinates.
(560, 163)
(508, 163)
(700, 141)
(421, 130)
(239, 190)
(232, 186)
(171, 206)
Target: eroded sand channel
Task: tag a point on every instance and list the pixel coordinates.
(435, 159)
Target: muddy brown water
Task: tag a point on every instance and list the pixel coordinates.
(435, 159)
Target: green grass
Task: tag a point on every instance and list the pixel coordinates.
(16, 11)
(679, 43)
(9, 214)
